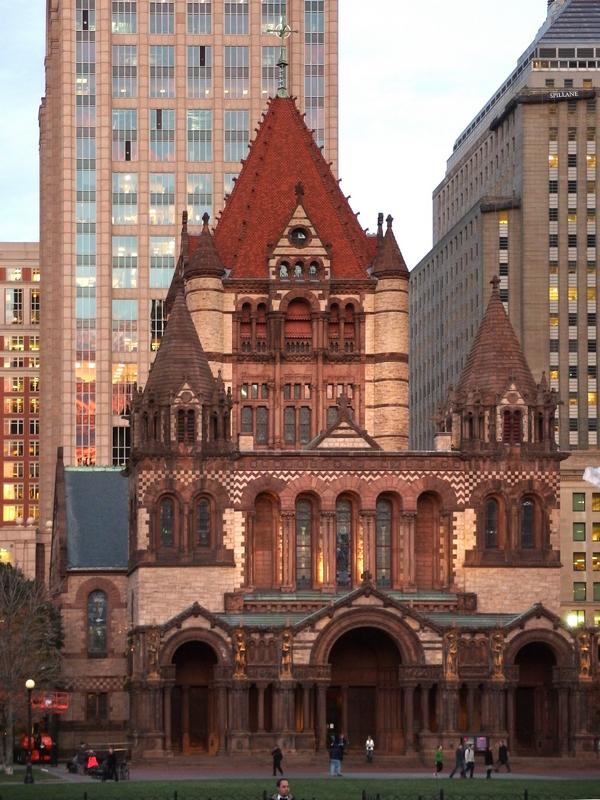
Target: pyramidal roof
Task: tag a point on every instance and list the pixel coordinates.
(283, 154)
(180, 358)
(496, 358)
(573, 21)
(203, 256)
(388, 259)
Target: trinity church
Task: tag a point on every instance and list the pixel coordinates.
(275, 566)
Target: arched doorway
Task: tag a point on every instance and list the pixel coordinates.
(536, 702)
(426, 540)
(265, 525)
(364, 696)
(193, 709)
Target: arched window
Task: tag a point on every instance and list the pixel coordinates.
(383, 542)
(334, 327)
(527, 524)
(313, 270)
(262, 425)
(289, 425)
(186, 425)
(303, 544)
(261, 325)
(203, 526)
(343, 543)
(284, 270)
(491, 524)
(304, 425)
(166, 522)
(97, 613)
(298, 327)
(349, 328)
(512, 432)
(245, 327)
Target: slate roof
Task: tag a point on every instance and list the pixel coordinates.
(388, 260)
(496, 357)
(204, 259)
(180, 357)
(263, 200)
(97, 517)
(578, 21)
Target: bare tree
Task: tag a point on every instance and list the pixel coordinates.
(31, 638)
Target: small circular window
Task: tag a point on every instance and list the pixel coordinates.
(299, 237)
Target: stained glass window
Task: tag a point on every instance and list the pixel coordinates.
(343, 571)
(97, 614)
(384, 542)
(303, 544)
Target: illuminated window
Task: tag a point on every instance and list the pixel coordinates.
(157, 322)
(553, 161)
(162, 261)
(596, 532)
(124, 326)
(596, 501)
(97, 614)
(576, 618)
(125, 261)
(303, 544)
(13, 491)
(124, 70)
(596, 562)
(572, 293)
(579, 563)
(34, 306)
(199, 135)
(124, 198)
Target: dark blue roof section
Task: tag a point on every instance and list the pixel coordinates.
(579, 21)
(97, 523)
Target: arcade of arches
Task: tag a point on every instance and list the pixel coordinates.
(365, 679)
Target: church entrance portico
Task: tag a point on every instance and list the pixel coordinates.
(193, 710)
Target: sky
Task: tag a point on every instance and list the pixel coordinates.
(413, 73)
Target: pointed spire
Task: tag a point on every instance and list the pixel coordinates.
(180, 357)
(496, 359)
(204, 260)
(388, 258)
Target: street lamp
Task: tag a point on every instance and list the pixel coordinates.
(30, 686)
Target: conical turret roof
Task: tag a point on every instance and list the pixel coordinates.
(204, 259)
(496, 358)
(388, 260)
(180, 357)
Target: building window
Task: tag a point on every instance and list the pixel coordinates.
(512, 432)
(96, 703)
(596, 596)
(237, 72)
(186, 425)
(35, 306)
(595, 500)
(13, 427)
(383, 541)
(271, 13)
(124, 262)
(199, 17)
(124, 134)
(199, 135)
(596, 562)
(124, 326)
(199, 197)
(527, 524)
(124, 70)
(157, 322)
(124, 384)
(262, 425)
(162, 134)
(305, 419)
(162, 261)
(124, 198)
(236, 17)
(579, 531)
(579, 591)
(97, 615)
(269, 71)
(289, 425)
(314, 67)
(595, 531)
(579, 564)
(229, 179)
(303, 544)
(166, 522)
(162, 198)
(343, 565)
(199, 71)
(121, 445)
(578, 501)
(237, 134)
(162, 17)
(203, 515)
(14, 306)
(491, 524)
(162, 71)
(124, 16)
(247, 420)
(576, 618)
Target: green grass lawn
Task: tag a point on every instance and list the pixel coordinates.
(307, 789)
(17, 777)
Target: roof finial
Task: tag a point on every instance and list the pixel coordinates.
(380, 224)
(205, 218)
(283, 32)
(389, 219)
(495, 283)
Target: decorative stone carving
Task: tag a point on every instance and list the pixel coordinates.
(584, 645)
(152, 651)
(286, 653)
(240, 654)
(497, 650)
(451, 655)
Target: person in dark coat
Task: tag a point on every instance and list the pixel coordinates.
(503, 757)
(336, 755)
(488, 760)
(459, 761)
(109, 771)
(277, 759)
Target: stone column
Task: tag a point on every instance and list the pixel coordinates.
(288, 519)
(450, 706)
(306, 707)
(344, 711)
(510, 715)
(470, 706)
(286, 704)
(321, 726)
(563, 721)
(409, 693)
(409, 520)
(369, 543)
(222, 704)
(249, 549)
(167, 693)
(424, 709)
(329, 565)
(185, 718)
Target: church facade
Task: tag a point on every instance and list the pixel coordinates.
(275, 566)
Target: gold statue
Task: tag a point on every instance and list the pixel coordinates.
(153, 649)
(497, 645)
(286, 652)
(451, 654)
(240, 653)
(585, 656)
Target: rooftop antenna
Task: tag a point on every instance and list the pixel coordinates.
(283, 31)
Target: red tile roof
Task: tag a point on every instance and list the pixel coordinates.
(264, 198)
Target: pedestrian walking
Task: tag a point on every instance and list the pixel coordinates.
(277, 759)
(109, 769)
(503, 757)
(336, 755)
(469, 761)
(459, 761)
(369, 748)
(438, 760)
(283, 790)
(488, 760)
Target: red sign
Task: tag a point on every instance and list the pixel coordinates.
(58, 702)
